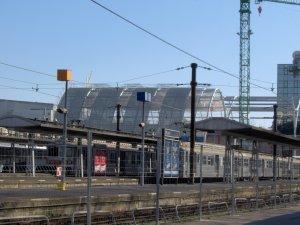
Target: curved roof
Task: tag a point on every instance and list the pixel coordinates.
(169, 108)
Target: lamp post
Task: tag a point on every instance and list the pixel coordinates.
(64, 75)
(143, 97)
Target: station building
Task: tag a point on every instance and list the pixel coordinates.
(27, 109)
(96, 107)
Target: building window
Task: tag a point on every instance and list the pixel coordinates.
(187, 116)
(153, 117)
(122, 113)
(85, 113)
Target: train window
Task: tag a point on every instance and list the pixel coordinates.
(270, 164)
(52, 151)
(132, 159)
(138, 159)
(204, 160)
(210, 160)
(112, 157)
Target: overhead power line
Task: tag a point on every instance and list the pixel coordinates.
(33, 71)
(30, 90)
(171, 44)
(153, 74)
(26, 69)
(16, 80)
(27, 82)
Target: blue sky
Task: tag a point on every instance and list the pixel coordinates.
(75, 34)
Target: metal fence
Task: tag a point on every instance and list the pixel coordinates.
(73, 210)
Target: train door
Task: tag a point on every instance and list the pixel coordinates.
(241, 164)
(217, 165)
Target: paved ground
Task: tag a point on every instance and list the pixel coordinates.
(21, 194)
(282, 216)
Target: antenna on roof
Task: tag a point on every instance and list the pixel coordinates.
(88, 79)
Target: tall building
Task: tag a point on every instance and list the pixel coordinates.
(288, 88)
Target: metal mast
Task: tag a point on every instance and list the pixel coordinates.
(244, 75)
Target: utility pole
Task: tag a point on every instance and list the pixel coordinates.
(65, 135)
(158, 175)
(64, 75)
(89, 179)
(274, 152)
(118, 143)
(143, 146)
(143, 97)
(193, 115)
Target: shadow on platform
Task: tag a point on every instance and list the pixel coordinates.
(287, 219)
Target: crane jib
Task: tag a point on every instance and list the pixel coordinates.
(290, 2)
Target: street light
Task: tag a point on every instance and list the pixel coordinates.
(143, 97)
(64, 75)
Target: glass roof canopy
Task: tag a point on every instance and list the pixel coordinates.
(169, 108)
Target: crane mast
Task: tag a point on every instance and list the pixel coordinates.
(244, 74)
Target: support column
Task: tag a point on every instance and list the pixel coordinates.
(256, 177)
(14, 157)
(290, 177)
(31, 147)
(118, 143)
(89, 179)
(232, 180)
(227, 160)
(81, 163)
(33, 160)
(80, 160)
(200, 183)
(275, 154)
(143, 148)
(192, 127)
(158, 176)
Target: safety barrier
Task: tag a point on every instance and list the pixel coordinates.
(217, 207)
(172, 214)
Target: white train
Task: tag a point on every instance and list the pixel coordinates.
(214, 161)
(105, 161)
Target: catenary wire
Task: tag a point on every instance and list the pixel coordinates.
(25, 89)
(33, 71)
(153, 74)
(171, 44)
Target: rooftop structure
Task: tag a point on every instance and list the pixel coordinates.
(170, 107)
